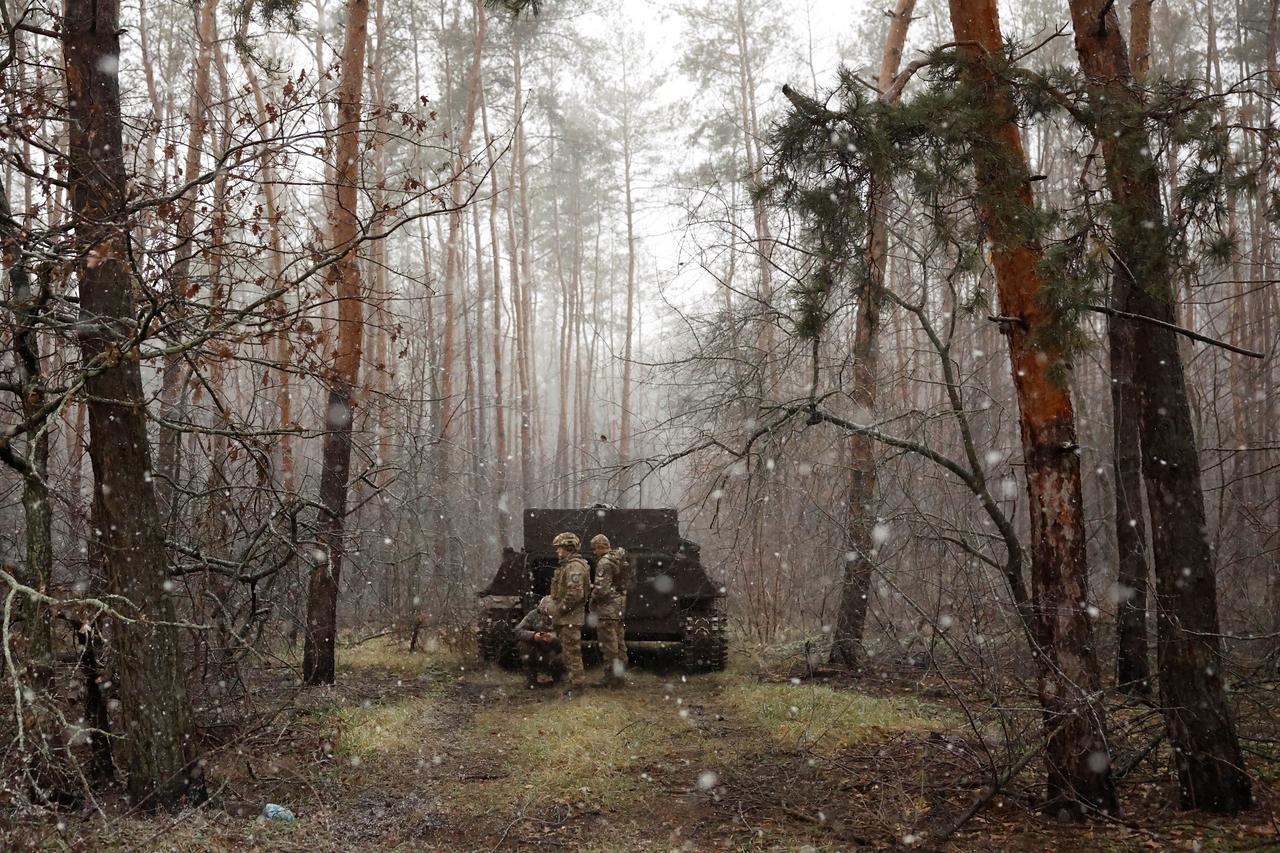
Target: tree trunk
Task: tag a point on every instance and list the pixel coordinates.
(322, 595)
(174, 374)
(154, 707)
(381, 361)
(1079, 767)
(284, 350)
(1207, 755)
(501, 498)
(628, 334)
(1140, 32)
(521, 285)
(1133, 672)
(477, 344)
(102, 765)
(33, 464)
(453, 254)
(759, 210)
(860, 518)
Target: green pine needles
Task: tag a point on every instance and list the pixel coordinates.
(827, 152)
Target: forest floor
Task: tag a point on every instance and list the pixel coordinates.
(422, 751)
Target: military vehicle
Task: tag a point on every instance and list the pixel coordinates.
(673, 601)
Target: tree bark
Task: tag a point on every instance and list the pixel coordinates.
(322, 595)
(1079, 774)
(860, 515)
(1140, 33)
(1207, 754)
(1133, 672)
(154, 706)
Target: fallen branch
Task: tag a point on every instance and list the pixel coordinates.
(995, 787)
(1124, 771)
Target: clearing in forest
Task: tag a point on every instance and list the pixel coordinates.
(414, 751)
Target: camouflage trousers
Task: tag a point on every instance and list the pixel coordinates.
(613, 647)
(541, 658)
(571, 647)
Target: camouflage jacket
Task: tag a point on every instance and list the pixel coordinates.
(569, 590)
(609, 595)
(533, 622)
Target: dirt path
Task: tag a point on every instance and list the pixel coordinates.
(672, 762)
(421, 753)
(474, 761)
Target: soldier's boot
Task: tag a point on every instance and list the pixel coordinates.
(577, 686)
(530, 670)
(557, 671)
(615, 670)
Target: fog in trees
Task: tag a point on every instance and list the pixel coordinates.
(945, 332)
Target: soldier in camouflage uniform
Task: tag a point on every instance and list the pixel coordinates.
(539, 648)
(569, 589)
(608, 605)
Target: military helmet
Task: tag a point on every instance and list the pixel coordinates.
(566, 540)
(599, 539)
(546, 605)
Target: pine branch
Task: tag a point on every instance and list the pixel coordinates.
(894, 92)
(1195, 336)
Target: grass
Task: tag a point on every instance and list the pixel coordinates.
(383, 729)
(386, 653)
(825, 720)
(593, 749)
(395, 727)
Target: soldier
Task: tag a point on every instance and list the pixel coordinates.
(539, 648)
(569, 590)
(608, 605)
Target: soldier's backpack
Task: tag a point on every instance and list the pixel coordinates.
(625, 578)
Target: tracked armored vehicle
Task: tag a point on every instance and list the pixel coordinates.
(674, 602)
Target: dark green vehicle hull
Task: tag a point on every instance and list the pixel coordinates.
(673, 601)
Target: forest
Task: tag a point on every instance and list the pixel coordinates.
(920, 360)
